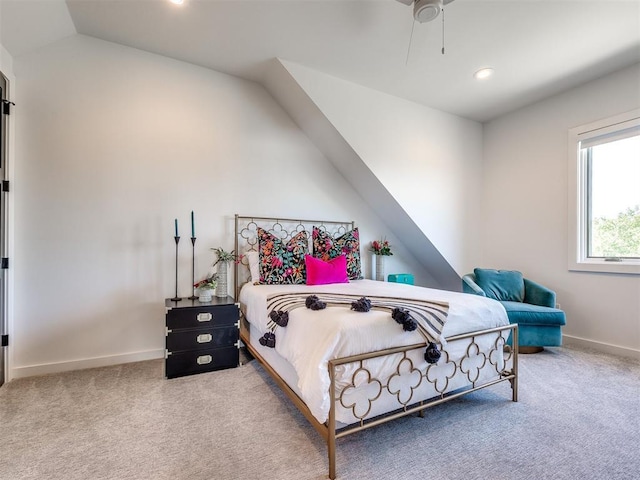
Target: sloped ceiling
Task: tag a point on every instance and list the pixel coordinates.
(28, 25)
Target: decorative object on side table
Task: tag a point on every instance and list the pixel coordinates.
(193, 258)
(177, 240)
(223, 258)
(206, 288)
(401, 278)
(381, 249)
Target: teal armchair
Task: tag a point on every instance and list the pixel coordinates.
(529, 304)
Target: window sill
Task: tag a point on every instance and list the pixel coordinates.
(628, 267)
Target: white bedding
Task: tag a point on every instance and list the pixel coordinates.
(313, 337)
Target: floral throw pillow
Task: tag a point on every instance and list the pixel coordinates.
(282, 263)
(326, 247)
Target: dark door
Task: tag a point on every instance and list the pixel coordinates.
(3, 227)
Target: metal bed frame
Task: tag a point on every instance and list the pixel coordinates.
(439, 374)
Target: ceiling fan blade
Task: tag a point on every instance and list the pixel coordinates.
(444, 2)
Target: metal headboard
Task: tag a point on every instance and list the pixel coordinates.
(246, 237)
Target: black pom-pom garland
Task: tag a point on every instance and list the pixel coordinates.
(279, 317)
(401, 315)
(363, 304)
(314, 303)
(268, 340)
(404, 318)
(432, 354)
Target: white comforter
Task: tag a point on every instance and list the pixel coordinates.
(312, 338)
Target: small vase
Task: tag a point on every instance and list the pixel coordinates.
(221, 287)
(205, 295)
(380, 268)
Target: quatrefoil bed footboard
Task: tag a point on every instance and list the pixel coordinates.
(485, 361)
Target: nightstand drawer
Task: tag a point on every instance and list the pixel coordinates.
(201, 338)
(189, 363)
(205, 316)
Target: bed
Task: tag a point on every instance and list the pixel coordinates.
(353, 353)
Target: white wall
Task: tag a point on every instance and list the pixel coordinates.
(428, 160)
(525, 209)
(112, 145)
(6, 62)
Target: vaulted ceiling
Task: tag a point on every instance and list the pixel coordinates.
(537, 48)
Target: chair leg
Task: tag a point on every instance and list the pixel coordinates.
(530, 349)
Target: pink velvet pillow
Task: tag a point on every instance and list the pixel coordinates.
(320, 272)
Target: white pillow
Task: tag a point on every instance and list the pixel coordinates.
(253, 258)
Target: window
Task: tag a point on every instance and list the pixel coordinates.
(604, 195)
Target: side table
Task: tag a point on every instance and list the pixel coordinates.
(201, 336)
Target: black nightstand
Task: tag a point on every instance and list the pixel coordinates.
(201, 337)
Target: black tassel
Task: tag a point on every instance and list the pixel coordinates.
(363, 304)
(409, 325)
(279, 317)
(404, 318)
(309, 300)
(314, 303)
(432, 354)
(399, 315)
(268, 340)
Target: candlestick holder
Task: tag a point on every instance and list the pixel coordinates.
(193, 269)
(176, 298)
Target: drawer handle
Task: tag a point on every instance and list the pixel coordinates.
(204, 338)
(204, 359)
(204, 317)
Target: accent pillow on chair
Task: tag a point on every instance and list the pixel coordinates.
(501, 285)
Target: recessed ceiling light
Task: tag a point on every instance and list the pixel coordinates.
(483, 73)
(177, 2)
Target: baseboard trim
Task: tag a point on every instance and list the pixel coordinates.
(601, 346)
(45, 368)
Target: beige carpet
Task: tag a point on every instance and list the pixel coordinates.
(578, 418)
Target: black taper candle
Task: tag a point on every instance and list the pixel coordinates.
(176, 298)
(193, 268)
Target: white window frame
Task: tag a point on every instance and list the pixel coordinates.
(577, 201)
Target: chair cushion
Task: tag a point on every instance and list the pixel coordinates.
(527, 314)
(501, 285)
